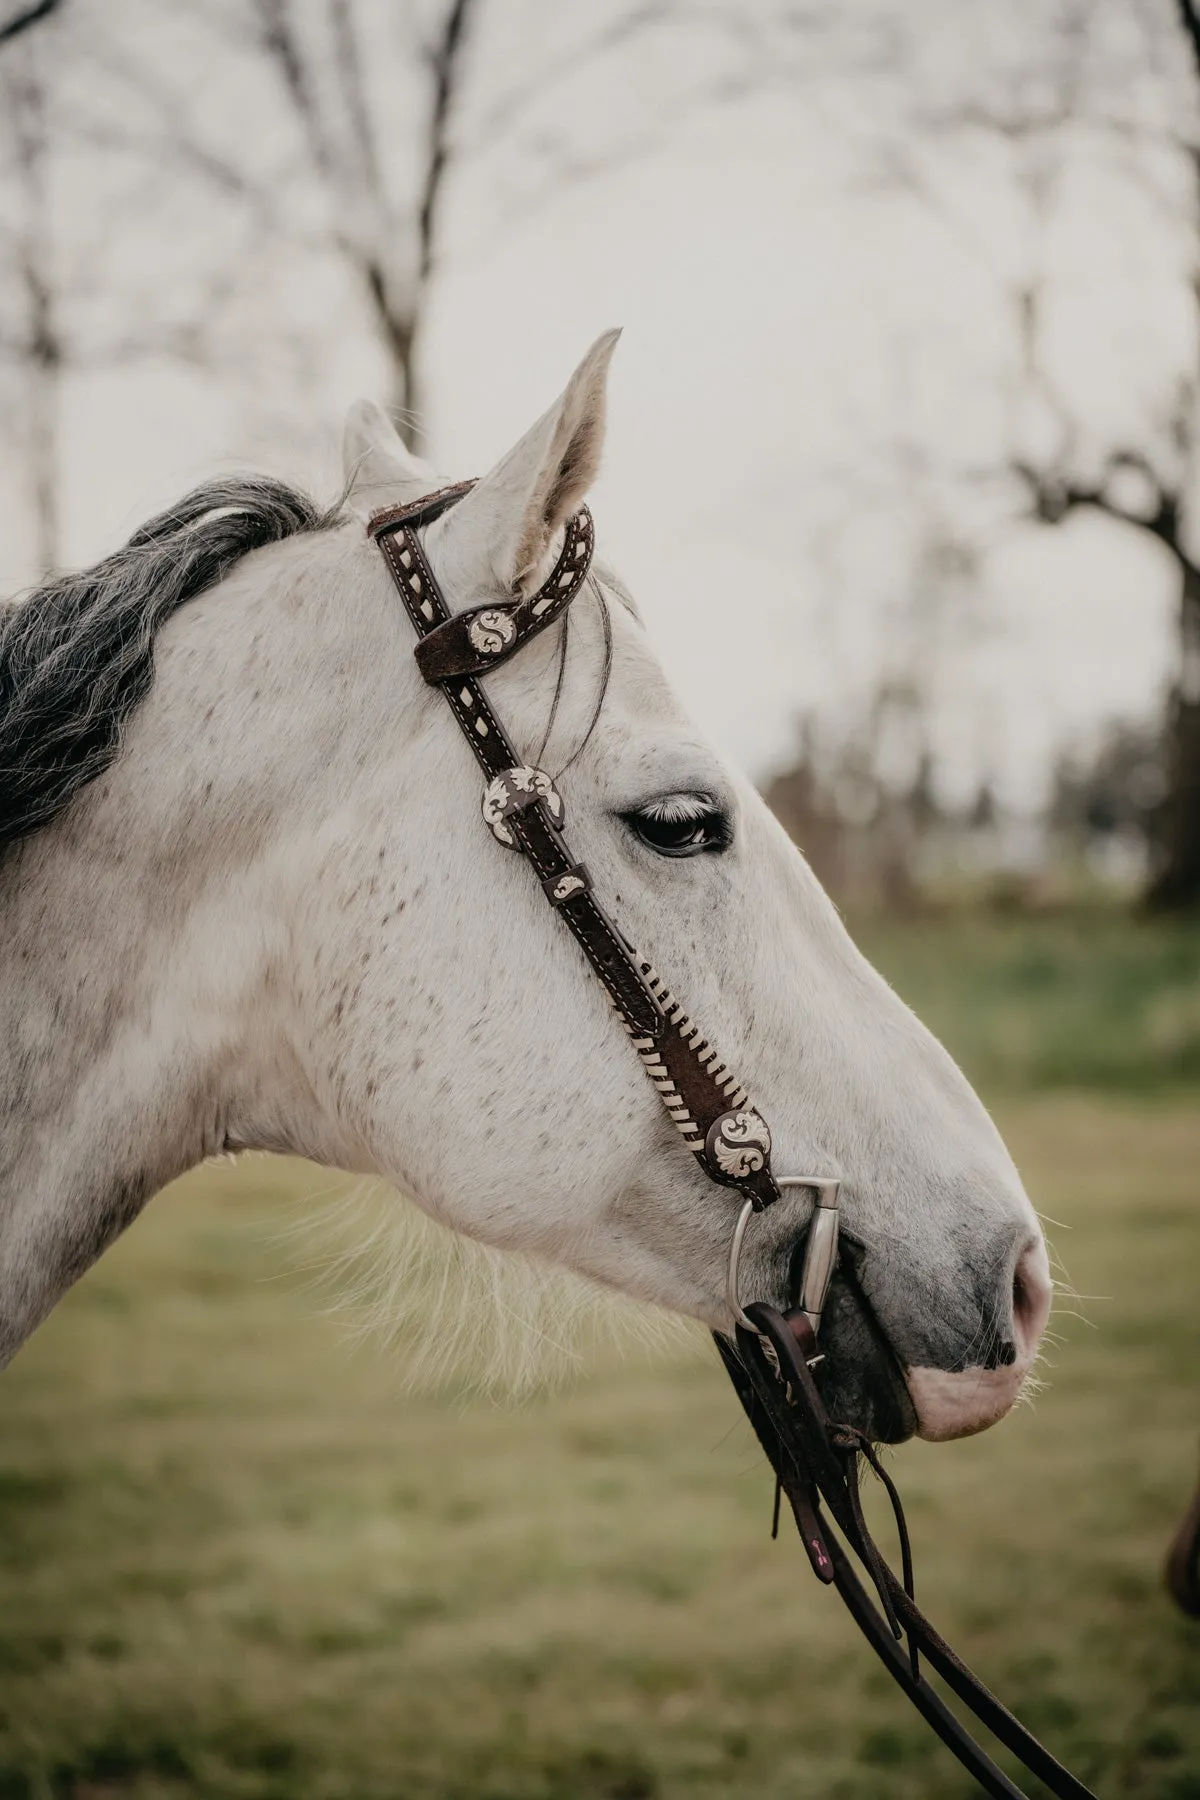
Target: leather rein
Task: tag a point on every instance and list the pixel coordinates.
(772, 1356)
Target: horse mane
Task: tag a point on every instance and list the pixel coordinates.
(77, 653)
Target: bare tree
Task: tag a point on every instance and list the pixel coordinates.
(1150, 488)
(392, 257)
(359, 123)
(34, 346)
(1131, 491)
(376, 105)
(1078, 95)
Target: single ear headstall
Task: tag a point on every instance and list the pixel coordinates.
(524, 811)
(771, 1360)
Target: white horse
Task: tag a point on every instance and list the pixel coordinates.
(246, 901)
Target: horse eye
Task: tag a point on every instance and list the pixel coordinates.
(680, 825)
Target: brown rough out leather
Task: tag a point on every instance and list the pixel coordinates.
(419, 512)
(471, 643)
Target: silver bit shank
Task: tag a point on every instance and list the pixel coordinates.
(820, 1250)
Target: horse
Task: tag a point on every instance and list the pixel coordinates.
(246, 903)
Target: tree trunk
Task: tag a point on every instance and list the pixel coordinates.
(43, 459)
(1176, 882)
(22, 92)
(397, 330)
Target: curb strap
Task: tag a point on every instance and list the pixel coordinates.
(707, 1104)
(817, 1461)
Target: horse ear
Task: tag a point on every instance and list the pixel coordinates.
(377, 464)
(503, 529)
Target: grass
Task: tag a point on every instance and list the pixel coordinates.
(1074, 999)
(237, 1561)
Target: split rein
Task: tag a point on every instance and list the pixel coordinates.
(771, 1359)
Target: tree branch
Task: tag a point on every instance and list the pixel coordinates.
(1189, 18)
(444, 61)
(32, 15)
(348, 64)
(1053, 496)
(280, 42)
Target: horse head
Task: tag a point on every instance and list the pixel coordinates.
(540, 1133)
(275, 919)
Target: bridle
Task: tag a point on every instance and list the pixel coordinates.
(772, 1356)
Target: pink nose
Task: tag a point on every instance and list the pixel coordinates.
(956, 1403)
(1031, 1293)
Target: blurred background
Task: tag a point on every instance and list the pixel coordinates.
(910, 387)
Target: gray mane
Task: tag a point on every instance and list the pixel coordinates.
(77, 655)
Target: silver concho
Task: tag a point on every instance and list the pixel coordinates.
(567, 885)
(492, 631)
(512, 792)
(739, 1143)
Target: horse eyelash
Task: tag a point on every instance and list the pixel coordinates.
(680, 809)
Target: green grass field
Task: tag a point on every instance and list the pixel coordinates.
(238, 1560)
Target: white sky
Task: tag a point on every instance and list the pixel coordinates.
(819, 378)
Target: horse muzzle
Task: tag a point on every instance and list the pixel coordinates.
(959, 1402)
(863, 1380)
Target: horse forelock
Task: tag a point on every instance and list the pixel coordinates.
(77, 653)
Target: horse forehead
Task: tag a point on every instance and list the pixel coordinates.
(639, 684)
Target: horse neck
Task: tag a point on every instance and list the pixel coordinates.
(142, 936)
(93, 1118)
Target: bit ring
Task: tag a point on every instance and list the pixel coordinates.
(820, 1250)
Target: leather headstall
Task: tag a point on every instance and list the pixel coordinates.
(816, 1461)
(524, 811)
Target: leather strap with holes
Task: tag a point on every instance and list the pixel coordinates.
(707, 1104)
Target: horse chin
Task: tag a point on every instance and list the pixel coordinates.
(861, 1382)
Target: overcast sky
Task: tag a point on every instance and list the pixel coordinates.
(820, 377)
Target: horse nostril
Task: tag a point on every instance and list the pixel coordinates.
(1031, 1289)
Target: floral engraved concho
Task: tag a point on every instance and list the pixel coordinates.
(511, 792)
(739, 1143)
(492, 631)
